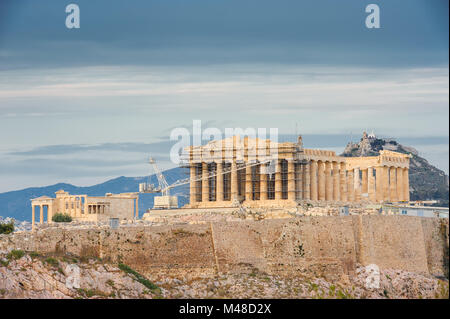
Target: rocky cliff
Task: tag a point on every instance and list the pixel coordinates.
(32, 275)
(426, 181)
(307, 257)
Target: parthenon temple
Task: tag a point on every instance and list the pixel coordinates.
(86, 208)
(261, 173)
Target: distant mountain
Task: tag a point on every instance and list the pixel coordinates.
(426, 182)
(16, 204)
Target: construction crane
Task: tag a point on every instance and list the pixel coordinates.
(166, 201)
(160, 202)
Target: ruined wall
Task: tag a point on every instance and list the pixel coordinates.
(122, 208)
(328, 246)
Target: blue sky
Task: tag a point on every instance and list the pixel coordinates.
(137, 69)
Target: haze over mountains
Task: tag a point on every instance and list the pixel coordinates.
(16, 204)
(426, 182)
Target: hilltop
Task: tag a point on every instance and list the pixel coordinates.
(426, 182)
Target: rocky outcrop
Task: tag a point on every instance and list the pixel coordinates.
(38, 276)
(329, 246)
(426, 181)
(300, 257)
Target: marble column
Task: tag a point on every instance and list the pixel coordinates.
(364, 186)
(291, 180)
(205, 183)
(393, 184)
(350, 186)
(41, 214)
(336, 182)
(263, 182)
(137, 207)
(86, 205)
(328, 182)
(400, 184)
(248, 183)
(33, 217)
(379, 184)
(321, 180)
(192, 194)
(371, 185)
(314, 186)
(219, 187)
(343, 182)
(234, 182)
(278, 182)
(385, 184)
(357, 185)
(406, 184)
(49, 213)
(299, 177)
(307, 181)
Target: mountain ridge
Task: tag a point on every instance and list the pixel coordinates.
(426, 181)
(16, 204)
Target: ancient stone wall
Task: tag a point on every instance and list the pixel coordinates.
(328, 246)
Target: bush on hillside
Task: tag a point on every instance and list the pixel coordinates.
(7, 228)
(61, 218)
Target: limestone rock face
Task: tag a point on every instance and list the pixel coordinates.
(251, 255)
(37, 278)
(31, 278)
(425, 181)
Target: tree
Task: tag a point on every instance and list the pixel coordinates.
(7, 228)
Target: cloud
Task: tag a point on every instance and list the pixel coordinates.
(200, 32)
(83, 149)
(90, 164)
(289, 88)
(73, 99)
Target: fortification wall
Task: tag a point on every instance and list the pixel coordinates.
(328, 246)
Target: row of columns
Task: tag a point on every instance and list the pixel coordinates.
(234, 186)
(316, 180)
(73, 205)
(97, 208)
(331, 181)
(41, 213)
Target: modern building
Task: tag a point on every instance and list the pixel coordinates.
(258, 172)
(420, 211)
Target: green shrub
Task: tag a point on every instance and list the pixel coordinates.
(89, 293)
(7, 228)
(138, 277)
(34, 254)
(15, 254)
(52, 261)
(61, 218)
